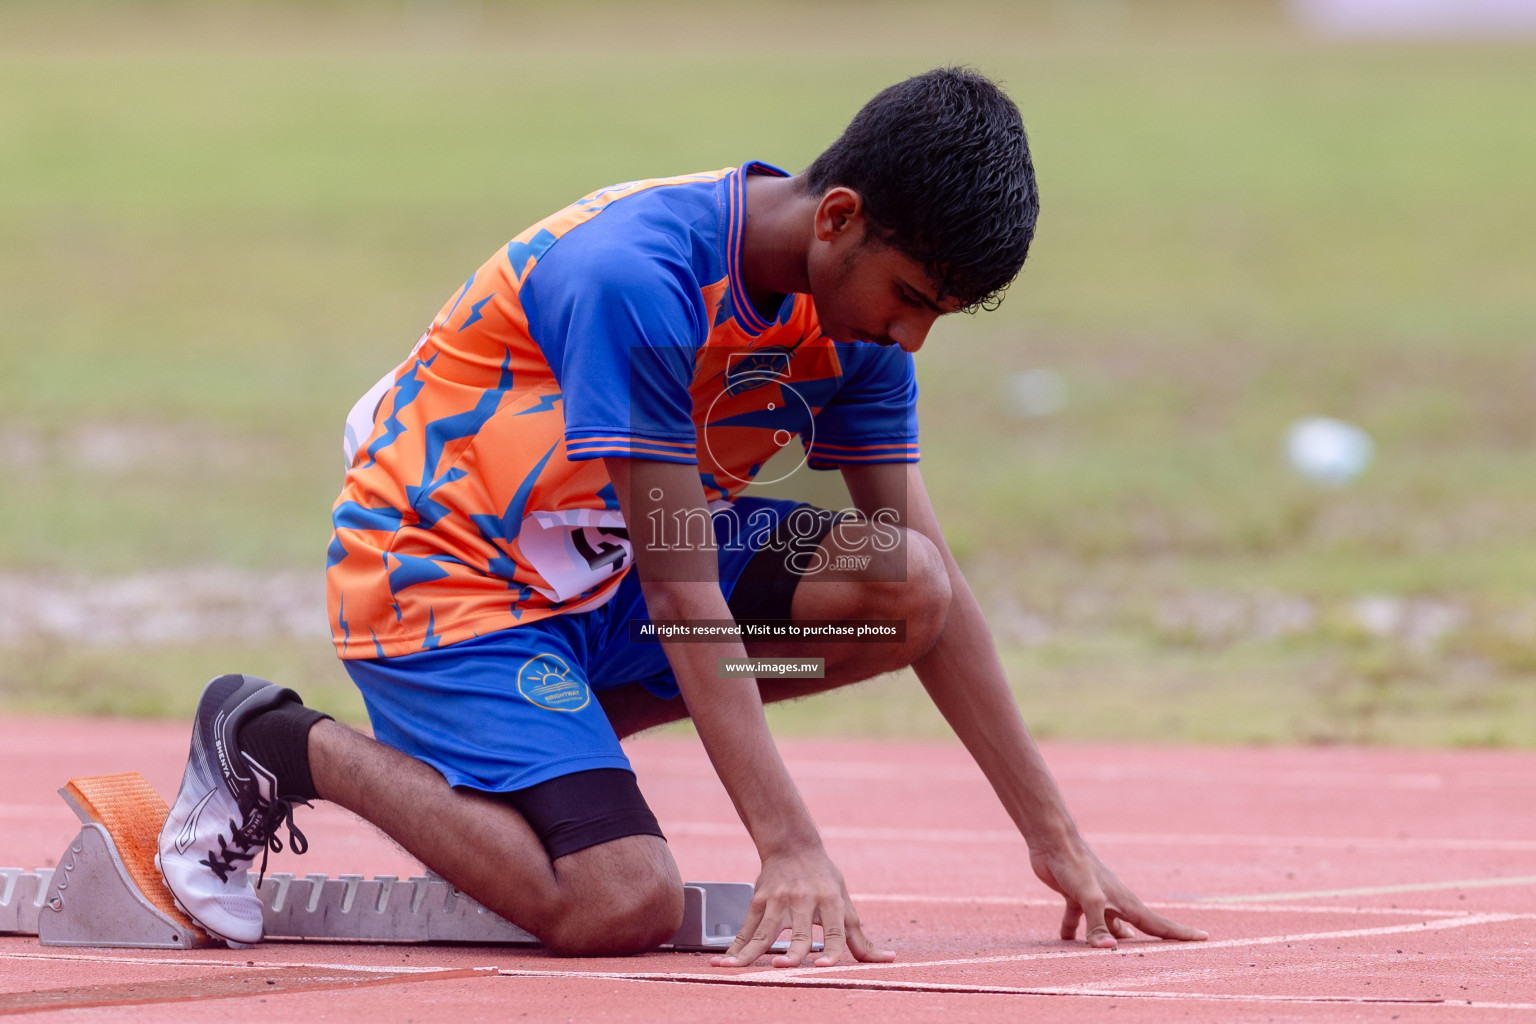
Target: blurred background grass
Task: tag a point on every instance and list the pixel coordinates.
(221, 222)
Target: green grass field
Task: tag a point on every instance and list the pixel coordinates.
(220, 223)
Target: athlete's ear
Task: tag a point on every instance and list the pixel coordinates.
(840, 213)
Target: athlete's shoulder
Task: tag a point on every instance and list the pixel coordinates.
(638, 210)
(680, 186)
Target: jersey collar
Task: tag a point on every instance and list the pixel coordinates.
(746, 314)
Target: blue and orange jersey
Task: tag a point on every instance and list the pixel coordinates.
(476, 498)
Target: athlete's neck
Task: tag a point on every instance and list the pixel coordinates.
(775, 238)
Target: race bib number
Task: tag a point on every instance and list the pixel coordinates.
(578, 549)
(575, 550)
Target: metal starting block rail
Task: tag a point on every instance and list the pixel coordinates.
(22, 893)
(106, 891)
(428, 909)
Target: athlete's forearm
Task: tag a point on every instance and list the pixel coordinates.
(728, 714)
(681, 582)
(963, 675)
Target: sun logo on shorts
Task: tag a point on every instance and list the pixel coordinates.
(547, 681)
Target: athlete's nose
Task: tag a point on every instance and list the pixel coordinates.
(910, 332)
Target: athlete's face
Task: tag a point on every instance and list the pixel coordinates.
(864, 289)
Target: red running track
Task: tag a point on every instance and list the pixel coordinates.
(1337, 884)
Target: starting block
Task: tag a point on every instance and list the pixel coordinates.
(107, 891)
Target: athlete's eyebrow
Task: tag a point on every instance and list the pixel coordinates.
(920, 296)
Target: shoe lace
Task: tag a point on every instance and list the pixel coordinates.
(262, 821)
(222, 861)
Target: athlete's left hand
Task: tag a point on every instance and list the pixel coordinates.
(1094, 893)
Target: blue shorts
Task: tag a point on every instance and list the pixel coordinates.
(515, 708)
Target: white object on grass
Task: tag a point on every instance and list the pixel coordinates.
(1421, 18)
(1328, 451)
(1041, 392)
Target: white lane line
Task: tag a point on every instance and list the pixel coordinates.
(1212, 904)
(1165, 947)
(1326, 842)
(794, 979)
(1139, 947)
(259, 965)
(952, 835)
(1233, 997)
(1186, 975)
(877, 771)
(1375, 890)
(1013, 990)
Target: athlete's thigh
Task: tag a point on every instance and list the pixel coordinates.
(495, 713)
(760, 544)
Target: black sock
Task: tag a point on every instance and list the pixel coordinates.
(278, 739)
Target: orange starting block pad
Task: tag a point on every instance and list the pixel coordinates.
(107, 891)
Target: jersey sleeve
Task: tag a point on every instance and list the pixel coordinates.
(621, 329)
(872, 417)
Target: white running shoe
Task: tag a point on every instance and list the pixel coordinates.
(226, 810)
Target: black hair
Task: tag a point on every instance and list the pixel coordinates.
(942, 163)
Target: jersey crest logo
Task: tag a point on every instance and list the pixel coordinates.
(749, 371)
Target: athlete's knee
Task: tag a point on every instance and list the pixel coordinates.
(623, 897)
(929, 592)
(915, 591)
(619, 922)
(910, 588)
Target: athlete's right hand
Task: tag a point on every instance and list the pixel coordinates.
(794, 891)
